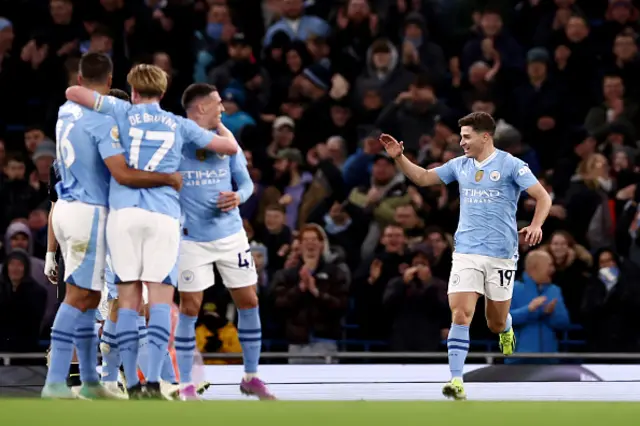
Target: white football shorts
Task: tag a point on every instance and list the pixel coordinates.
(485, 275)
(231, 255)
(80, 231)
(143, 246)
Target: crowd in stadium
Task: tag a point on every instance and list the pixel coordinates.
(307, 88)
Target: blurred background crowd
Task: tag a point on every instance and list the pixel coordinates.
(307, 88)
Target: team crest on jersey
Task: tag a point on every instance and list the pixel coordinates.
(201, 154)
(479, 175)
(115, 134)
(494, 176)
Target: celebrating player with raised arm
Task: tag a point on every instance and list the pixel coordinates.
(88, 149)
(213, 234)
(143, 229)
(486, 241)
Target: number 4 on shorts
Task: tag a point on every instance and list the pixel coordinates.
(245, 259)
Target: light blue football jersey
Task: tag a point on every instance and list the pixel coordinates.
(205, 174)
(152, 139)
(83, 139)
(489, 193)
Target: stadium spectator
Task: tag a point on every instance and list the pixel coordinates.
(610, 301)
(312, 296)
(537, 308)
(417, 300)
(370, 280)
(572, 263)
(22, 304)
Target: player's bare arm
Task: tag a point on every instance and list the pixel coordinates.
(533, 232)
(417, 174)
(50, 265)
(224, 142)
(125, 175)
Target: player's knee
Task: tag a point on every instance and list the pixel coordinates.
(93, 299)
(461, 316)
(82, 299)
(190, 304)
(245, 298)
(496, 325)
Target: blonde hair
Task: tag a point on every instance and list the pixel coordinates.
(149, 81)
(587, 170)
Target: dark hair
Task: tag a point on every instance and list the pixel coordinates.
(480, 122)
(490, 10)
(276, 207)
(96, 67)
(422, 81)
(33, 127)
(381, 45)
(16, 157)
(612, 74)
(102, 31)
(195, 91)
(435, 230)
(120, 94)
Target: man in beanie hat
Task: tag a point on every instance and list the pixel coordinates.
(316, 81)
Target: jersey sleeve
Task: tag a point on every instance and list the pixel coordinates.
(240, 174)
(112, 106)
(107, 138)
(522, 175)
(447, 172)
(192, 133)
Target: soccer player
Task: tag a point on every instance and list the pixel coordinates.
(486, 241)
(143, 229)
(108, 347)
(213, 234)
(88, 153)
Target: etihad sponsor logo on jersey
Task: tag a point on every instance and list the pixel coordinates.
(476, 196)
(203, 177)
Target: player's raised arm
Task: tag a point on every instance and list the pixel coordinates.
(94, 100)
(417, 174)
(223, 143)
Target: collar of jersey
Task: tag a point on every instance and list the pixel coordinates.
(486, 160)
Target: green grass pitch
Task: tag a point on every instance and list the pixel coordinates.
(18, 412)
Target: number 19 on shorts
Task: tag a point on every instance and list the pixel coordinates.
(506, 277)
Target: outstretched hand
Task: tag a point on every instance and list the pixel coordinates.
(391, 145)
